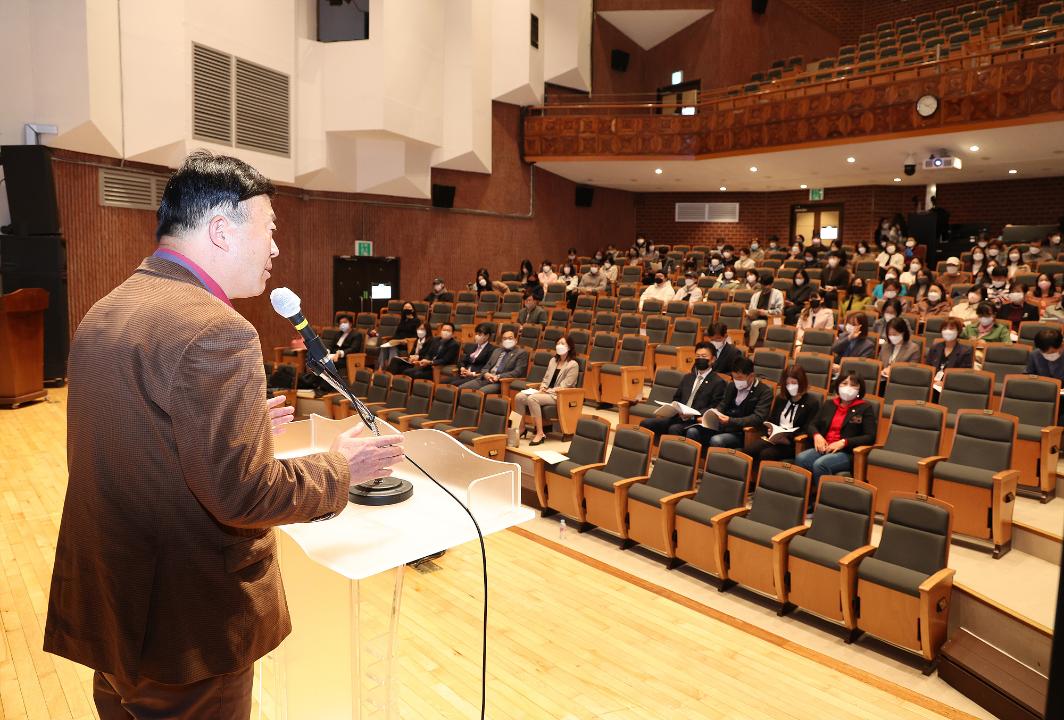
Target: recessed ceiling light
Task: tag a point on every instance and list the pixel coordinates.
(897, 179)
(657, 171)
(1013, 172)
(851, 159)
(974, 148)
(753, 168)
(723, 189)
(803, 186)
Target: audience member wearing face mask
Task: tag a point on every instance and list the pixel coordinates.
(934, 302)
(562, 372)
(1015, 308)
(816, 315)
(766, 305)
(439, 292)
(986, 328)
(439, 351)
(472, 363)
(834, 277)
(746, 403)
(659, 289)
(948, 353)
(1044, 294)
(890, 257)
(727, 352)
(689, 291)
(1046, 359)
(793, 408)
(844, 422)
(729, 279)
(797, 297)
(700, 389)
(853, 339)
(899, 347)
(966, 310)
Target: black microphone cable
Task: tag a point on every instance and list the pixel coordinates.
(370, 421)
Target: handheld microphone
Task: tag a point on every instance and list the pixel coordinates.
(288, 305)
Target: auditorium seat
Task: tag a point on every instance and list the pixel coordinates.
(806, 562)
(1003, 359)
(640, 500)
(555, 488)
(417, 402)
(594, 486)
(466, 414)
(769, 364)
(777, 511)
(1035, 402)
(818, 341)
(570, 403)
(604, 322)
(528, 338)
(397, 397)
(678, 353)
(892, 464)
(976, 478)
(900, 591)
(603, 350)
(663, 389)
(580, 339)
(488, 437)
(537, 370)
(624, 378)
(581, 319)
(781, 337)
(553, 295)
(441, 409)
(629, 324)
(866, 368)
(441, 313)
(817, 368)
(907, 381)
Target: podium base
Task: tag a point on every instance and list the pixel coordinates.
(382, 491)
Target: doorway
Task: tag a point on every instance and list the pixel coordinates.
(824, 221)
(364, 284)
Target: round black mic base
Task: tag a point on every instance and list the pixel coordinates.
(382, 491)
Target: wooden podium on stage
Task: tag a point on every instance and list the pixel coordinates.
(343, 577)
(22, 346)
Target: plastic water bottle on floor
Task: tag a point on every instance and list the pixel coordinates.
(561, 529)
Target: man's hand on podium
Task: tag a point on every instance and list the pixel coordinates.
(368, 457)
(280, 414)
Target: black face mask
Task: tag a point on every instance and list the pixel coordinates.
(814, 303)
(701, 364)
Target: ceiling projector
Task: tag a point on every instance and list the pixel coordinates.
(942, 163)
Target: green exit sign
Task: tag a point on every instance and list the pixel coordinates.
(364, 248)
(816, 194)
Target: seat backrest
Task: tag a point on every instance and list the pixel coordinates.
(627, 303)
(555, 292)
(559, 317)
(470, 404)
(817, 367)
(378, 388)
(529, 336)
(963, 388)
(983, 439)
(742, 296)
(718, 295)
(607, 304)
(488, 301)
(652, 307)
(820, 341)
(674, 468)
(589, 441)
(538, 369)
(365, 321)
(511, 303)
(1029, 329)
(916, 534)
(867, 368)
(704, 312)
(443, 402)
(915, 428)
(842, 517)
(585, 302)
(908, 381)
(441, 313)
(633, 351)
(725, 480)
(1032, 399)
(581, 320)
(604, 322)
(732, 314)
(1004, 359)
(631, 452)
(780, 497)
(780, 337)
(580, 339)
(685, 332)
(629, 324)
(676, 308)
(398, 392)
(420, 397)
(770, 364)
(493, 419)
(549, 337)
(666, 382)
(363, 377)
(603, 348)
(464, 313)
(388, 325)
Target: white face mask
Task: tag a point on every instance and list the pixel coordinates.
(887, 317)
(594, 271)
(753, 247)
(974, 298)
(934, 296)
(445, 334)
(798, 282)
(689, 282)
(792, 388)
(561, 349)
(999, 283)
(978, 257)
(751, 279)
(482, 282)
(741, 384)
(890, 294)
(1035, 250)
(1015, 257)
(833, 262)
(546, 268)
(895, 339)
(915, 267)
(949, 335)
(437, 287)
(1016, 297)
(850, 328)
(1051, 357)
(952, 269)
(986, 321)
(509, 344)
(890, 276)
(421, 332)
(1044, 284)
(719, 344)
(345, 327)
(992, 252)
(910, 243)
(847, 393)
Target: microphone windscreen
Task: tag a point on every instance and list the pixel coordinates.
(285, 302)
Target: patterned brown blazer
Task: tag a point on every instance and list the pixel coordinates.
(166, 565)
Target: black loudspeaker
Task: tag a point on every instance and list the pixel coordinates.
(442, 196)
(30, 189)
(759, 6)
(40, 262)
(619, 60)
(584, 196)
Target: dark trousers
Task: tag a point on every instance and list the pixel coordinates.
(761, 450)
(667, 426)
(222, 697)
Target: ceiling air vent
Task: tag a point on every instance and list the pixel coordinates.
(212, 95)
(122, 188)
(261, 108)
(707, 212)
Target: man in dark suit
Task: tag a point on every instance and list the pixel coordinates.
(531, 313)
(747, 402)
(700, 389)
(166, 579)
(508, 361)
(727, 353)
(472, 363)
(442, 350)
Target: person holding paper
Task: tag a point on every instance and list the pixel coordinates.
(473, 362)
(746, 401)
(765, 306)
(508, 361)
(793, 410)
(701, 389)
(407, 328)
(562, 372)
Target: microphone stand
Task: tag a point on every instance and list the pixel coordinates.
(387, 490)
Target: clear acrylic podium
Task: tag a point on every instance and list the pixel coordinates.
(343, 577)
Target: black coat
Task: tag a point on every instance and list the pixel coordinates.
(961, 357)
(353, 343)
(709, 392)
(441, 352)
(858, 429)
(726, 358)
(407, 328)
(477, 364)
(808, 408)
(753, 410)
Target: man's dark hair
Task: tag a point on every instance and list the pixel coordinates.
(483, 329)
(447, 324)
(706, 345)
(743, 365)
(718, 329)
(1048, 339)
(348, 318)
(208, 184)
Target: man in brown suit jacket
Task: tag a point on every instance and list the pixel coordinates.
(166, 579)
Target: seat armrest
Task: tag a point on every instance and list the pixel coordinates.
(433, 423)
(539, 467)
(722, 519)
(780, 543)
(624, 411)
(945, 575)
(860, 460)
(783, 537)
(454, 431)
(848, 583)
(924, 470)
(671, 500)
(492, 447)
(854, 557)
(504, 386)
(628, 482)
(719, 524)
(577, 473)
